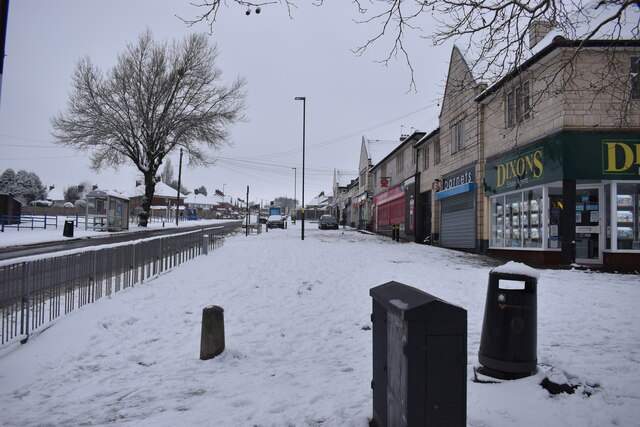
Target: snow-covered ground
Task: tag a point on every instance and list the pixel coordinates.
(25, 236)
(298, 343)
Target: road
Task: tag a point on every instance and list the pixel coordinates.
(63, 245)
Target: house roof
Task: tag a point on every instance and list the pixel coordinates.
(199, 199)
(410, 140)
(557, 42)
(161, 190)
(344, 178)
(55, 194)
(377, 149)
(105, 193)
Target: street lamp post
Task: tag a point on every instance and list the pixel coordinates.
(304, 115)
(295, 191)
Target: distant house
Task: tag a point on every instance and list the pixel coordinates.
(164, 200)
(55, 195)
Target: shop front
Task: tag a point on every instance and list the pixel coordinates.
(458, 209)
(574, 197)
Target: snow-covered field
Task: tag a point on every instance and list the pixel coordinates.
(298, 346)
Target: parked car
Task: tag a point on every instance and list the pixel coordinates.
(327, 222)
(275, 221)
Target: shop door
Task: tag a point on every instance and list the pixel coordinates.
(589, 238)
(425, 236)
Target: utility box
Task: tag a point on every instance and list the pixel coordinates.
(509, 328)
(419, 358)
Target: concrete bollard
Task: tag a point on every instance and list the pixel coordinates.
(205, 244)
(212, 337)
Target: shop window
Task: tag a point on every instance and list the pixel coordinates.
(634, 71)
(516, 220)
(627, 216)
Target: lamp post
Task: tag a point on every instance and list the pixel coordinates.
(304, 114)
(295, 190)
(179, 184)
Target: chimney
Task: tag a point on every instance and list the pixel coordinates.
(403, 137)
(95, 187)
(537, 31)
(51, 187)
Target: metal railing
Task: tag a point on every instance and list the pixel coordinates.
(28, 221)
(35, 292)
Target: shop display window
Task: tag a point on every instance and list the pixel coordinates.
(516, 220)
(627, 216)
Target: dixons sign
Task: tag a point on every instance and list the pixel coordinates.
(521, 170)
(621, 157)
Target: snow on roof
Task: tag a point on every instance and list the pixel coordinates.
(200, 199)
(377, 149)
(344, 178)
(55, 194)
(513, 267)
(104, 193)
(161, 190)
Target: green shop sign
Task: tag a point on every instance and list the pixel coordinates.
(566, 156)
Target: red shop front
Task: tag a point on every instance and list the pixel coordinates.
(389, 209)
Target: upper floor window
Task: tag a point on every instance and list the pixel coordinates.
(436, 152)
(518, 105)
(457, 136)
(425, 158)
(413, 156)
(383, 170)
(634, 70)
(400, 162)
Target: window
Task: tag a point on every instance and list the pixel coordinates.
(400, 162)
(436, 152)
(383, 170)
(425, 158)
(516, 220)
(413, 157)
(457, 136)
(518, 105)
(635, 78)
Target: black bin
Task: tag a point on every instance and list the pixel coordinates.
(68, 229)
(419, 359)
(509, 329)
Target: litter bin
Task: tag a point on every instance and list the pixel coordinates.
(509, 328)
(68, 229)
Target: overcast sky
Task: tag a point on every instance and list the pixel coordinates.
(281, 58)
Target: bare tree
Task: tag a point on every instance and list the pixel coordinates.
(157, 98)
(495, 32)
(167, 175)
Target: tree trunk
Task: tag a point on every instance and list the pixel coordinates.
(150, 186)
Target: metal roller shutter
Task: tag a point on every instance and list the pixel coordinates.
(458, 223)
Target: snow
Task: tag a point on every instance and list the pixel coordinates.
(25, 236)
(298, 341)
(513, 267)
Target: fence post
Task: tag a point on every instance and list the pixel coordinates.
(212, 333)
(24, 312)
(205, 244)
(45, 221)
